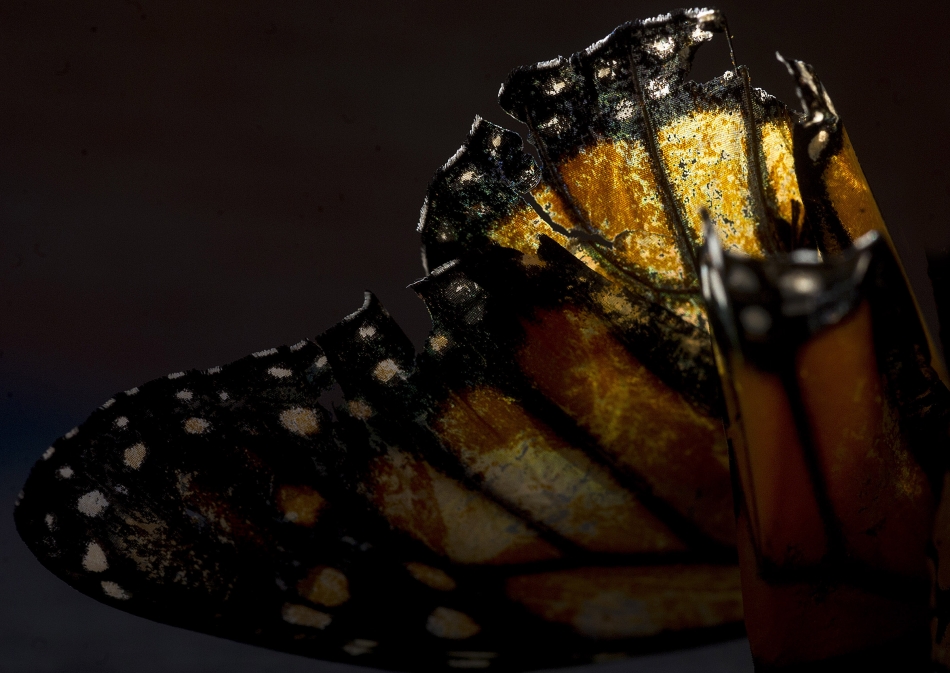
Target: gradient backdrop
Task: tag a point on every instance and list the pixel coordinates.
(182, 183)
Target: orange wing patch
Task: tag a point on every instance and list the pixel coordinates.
(611, 603)
(524, 462)
(449, 518)
(639, 421)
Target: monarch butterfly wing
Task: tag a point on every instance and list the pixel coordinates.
(603, 193)
(548, 482)
(633, 153)
(839, 429)
(217, 501)
(839, 205)
(616, 567)
(229, 502)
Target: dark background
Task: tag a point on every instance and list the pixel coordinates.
(183, 183)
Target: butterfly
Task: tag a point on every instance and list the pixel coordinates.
(547, 482)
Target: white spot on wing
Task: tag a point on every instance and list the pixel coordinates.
(359, 409)
(184, 395)
(223, 395)
(134, 455)
(95, 559)
(121, 422)
(437, 342)
(280, 372)
(386, 370)
(213, 370)
(657, 88)
(49, 453)
(301, 615)
(297, 346)
(265, 353)
(131, 391)
(817, 144)
(663, 47)
(176, 375)
(367, 331)
(50, 521)
(196, 426)
(321, 362)
(430, 576)
(72, 433)
(300, 421)
(452, 624)
(359, 646)
(108, 403)
(113, 590)
(65, 472)
(624, 109)
(92, 503)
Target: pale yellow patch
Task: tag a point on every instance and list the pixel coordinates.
(431, 577)
(386, 370)
(95, 559)
(359, 646)
(359, 409)
(113, 590)
(300, 421)
(301, 615)
(134, 455)
(451, 624)
(92, 503)
(300, 504)
(437, 342)
(196, 426)
(326, 586)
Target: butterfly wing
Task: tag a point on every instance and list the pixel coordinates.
(839, 428)
(230, 502)
(547, 483)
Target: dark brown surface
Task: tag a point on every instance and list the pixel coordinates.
(180, 186)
